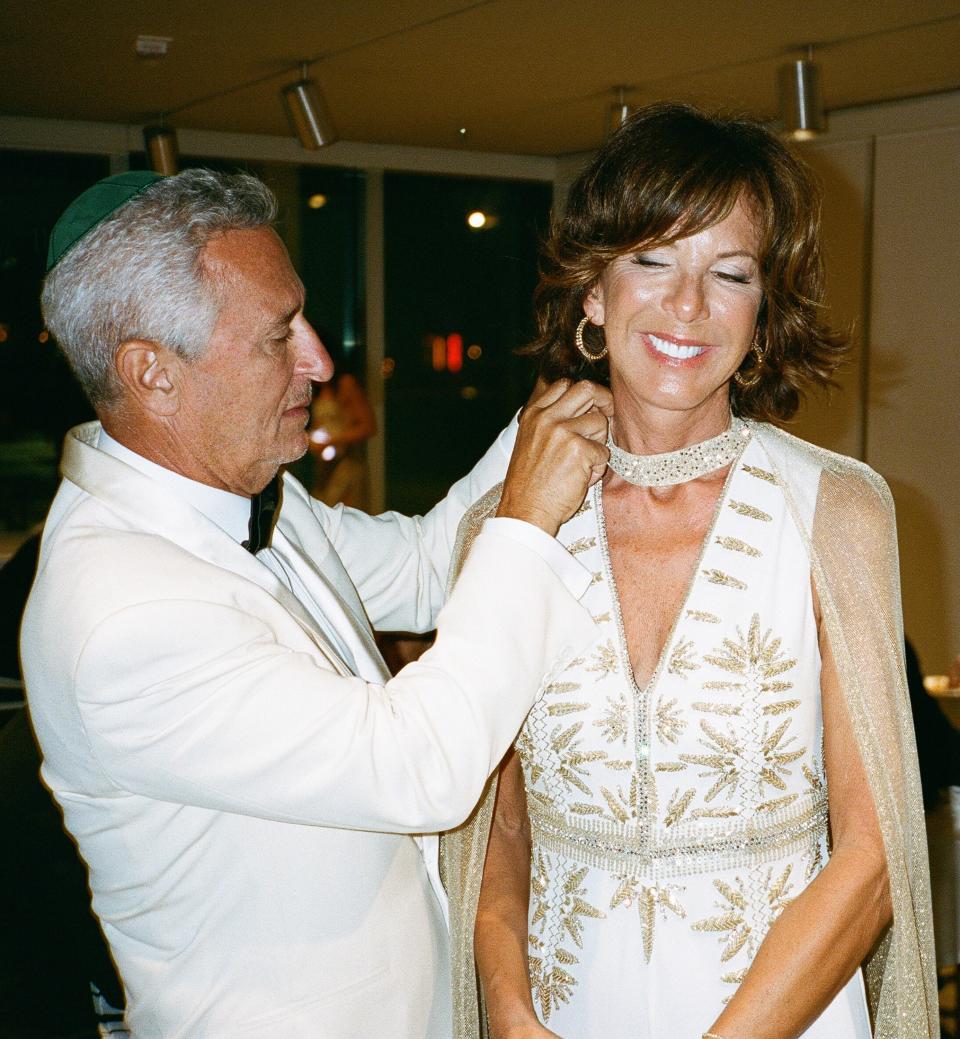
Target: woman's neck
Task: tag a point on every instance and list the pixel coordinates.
(643, 429)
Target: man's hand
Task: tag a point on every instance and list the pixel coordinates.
(560, 452)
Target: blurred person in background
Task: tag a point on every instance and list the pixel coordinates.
(341, 421)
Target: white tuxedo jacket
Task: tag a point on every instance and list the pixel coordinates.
(243, 801)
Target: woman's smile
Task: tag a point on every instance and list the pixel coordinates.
(673, 351)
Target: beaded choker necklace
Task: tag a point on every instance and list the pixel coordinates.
(676, 467)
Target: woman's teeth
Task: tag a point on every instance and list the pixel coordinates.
(681, 353)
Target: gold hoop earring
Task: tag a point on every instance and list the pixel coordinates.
(747, 381)
(578, 339)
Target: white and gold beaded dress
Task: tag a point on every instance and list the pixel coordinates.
(672, 824)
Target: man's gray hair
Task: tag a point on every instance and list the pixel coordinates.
(140, 275)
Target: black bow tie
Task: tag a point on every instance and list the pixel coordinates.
(263, 511)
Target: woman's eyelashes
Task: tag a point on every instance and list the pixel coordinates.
(649, 261)
(724, 274)
(740, 277)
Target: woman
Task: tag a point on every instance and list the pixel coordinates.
(341, 421)
(712, 817)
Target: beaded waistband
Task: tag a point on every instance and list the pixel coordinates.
(691, 847)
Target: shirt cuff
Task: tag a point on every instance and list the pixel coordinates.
(574, 575)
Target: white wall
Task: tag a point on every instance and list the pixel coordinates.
(892, 225)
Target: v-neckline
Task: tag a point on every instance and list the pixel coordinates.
(648, 688)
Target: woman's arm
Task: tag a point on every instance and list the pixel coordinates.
(821, 938)
(500, 936)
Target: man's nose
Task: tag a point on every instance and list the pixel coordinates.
(686, 299)
(311, 357)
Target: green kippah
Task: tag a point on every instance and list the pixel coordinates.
(93, 206)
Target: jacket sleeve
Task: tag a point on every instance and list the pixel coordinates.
(399, 564)
(225, 717)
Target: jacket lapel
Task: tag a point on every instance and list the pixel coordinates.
(148, 506)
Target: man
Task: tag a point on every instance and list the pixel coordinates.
(241, 775)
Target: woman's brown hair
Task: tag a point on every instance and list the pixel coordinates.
(671, 171)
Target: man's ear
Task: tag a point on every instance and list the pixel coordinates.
(150, 372)
(593, 304)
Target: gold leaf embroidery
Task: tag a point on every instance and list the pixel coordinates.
(550, 984)
(736, 545)
(760, 474)
(595, 578)
(714, 813)
(579, 808)
(779, 802)
(559, 688)
(670, 722)
(619, 765)
(670, 766)
(559, 910)
(703, 615)
(602, 618)
(717, 708)
(529, 759)
(559, 709)
(570, 759)
(731, 925)
(721, 763)
(614, 722)
(816, 862)
(624, 807)
(581, 545)
(750, 511)
(647, 899)
(811, 777)
(715, 576)
(781, 708)
(604, 661)
(752, 655)
(682, 659)
(678, 805)
(585, 507)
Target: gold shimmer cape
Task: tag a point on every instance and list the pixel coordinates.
(853, 554)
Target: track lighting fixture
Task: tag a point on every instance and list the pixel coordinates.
(801, 102)
(308, 112)
(160, 143)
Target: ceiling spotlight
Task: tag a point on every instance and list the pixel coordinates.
(477, 219)
(801, 102)
(619, 111)
(160, 143)
(308, 113)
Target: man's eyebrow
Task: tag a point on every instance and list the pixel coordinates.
(285, 319)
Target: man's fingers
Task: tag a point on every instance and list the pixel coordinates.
(544, 394)
(582, 396)
(592, 425)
